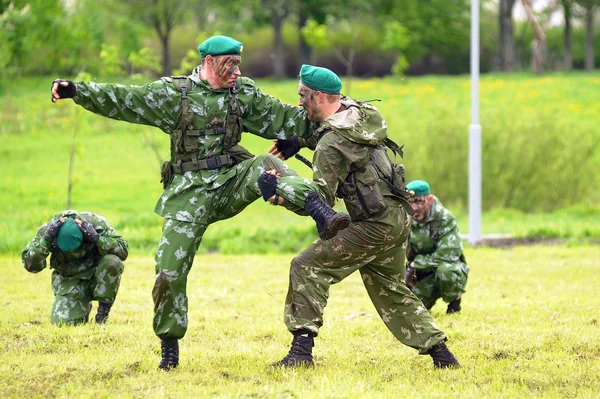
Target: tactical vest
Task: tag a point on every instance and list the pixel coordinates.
(365, 189)
(185, 153)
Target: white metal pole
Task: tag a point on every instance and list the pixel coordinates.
(474, 133)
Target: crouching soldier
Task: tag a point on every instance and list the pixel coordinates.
(87, 258)
(436, 265)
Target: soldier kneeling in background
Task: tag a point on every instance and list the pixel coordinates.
(436, 265)
(87, 258)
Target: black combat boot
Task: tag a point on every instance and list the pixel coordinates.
(442, 357)
(170, 353)
(300, 354)
(329, 222)
(453, 307)
(103, 310)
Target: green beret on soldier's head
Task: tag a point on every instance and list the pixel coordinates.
(69, 236)
(220, 45)
(417, 188)
(320, 79)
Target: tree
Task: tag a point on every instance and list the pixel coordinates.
(280, 9)
(506, 35)
(162, 15)
(590, 6)
(538, 46)
(568, 33)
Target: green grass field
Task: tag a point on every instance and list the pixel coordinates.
(541, 146)
(529, 328)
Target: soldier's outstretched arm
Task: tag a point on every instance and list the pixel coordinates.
(154, 104)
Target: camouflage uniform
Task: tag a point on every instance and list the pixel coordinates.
(90, 272)
(374, 244)
(437, 251)
(195, 199)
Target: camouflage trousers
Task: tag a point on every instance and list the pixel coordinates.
(73, 295)
(447, 281)
(180, 240)
(377, 250)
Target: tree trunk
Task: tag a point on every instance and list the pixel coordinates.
(568, 37)
(305, 49)
(538, 46)
(278, 13)
(589, 36)
(507, 47)
(166, 59)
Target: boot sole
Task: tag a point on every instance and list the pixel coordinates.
(339, 222)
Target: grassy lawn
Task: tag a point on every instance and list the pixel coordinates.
(529, 328)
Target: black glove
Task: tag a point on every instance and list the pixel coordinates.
(267, 184)
(52, 230)
(288, 147)
(65, 91)
(89, 232)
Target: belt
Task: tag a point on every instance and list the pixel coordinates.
(203, 164)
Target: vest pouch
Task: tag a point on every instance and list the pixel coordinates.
(239, 153)
(399, 177)
(369, 191)
(190, 140)
(353, 204)
(177, 141)
(166, 174)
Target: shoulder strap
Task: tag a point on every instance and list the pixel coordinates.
(186, 116)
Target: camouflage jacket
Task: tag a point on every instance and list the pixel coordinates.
(347, 139)
(81, 261)
(158, 104)
(435, 240)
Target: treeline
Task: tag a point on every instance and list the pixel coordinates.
(353, 37)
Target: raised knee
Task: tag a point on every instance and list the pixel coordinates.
(113, 264)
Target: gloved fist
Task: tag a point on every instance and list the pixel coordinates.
(267, 183)
(288, 147)
(89, 232)
(411, 276)
(52, 230)
(62, 90)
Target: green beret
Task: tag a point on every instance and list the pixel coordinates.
(220, 45)
(320, 79)
(417, 188)
(69, 236)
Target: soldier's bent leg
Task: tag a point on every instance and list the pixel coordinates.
(72, 298)
(245, 189)
(451, 280)
(425, 289)
(401, 311)
(173, 261)
(325, 263)
(105, 284)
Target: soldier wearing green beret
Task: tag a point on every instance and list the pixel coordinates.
(436, 264)
(87, 257)
(351, 162)
(209, 177)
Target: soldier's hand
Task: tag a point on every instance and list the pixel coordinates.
(53, 228)
(89, 232)
(63, 89)
(411, 275)
(286, 148)
(267, 182)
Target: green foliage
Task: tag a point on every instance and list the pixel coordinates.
(396, 37)
(110, 61)
(13, 26)
(144, 62)
(512, 340)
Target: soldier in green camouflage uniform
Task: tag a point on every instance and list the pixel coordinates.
(437, 267)
(87, 257)
(351, 161)
(210, 177)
